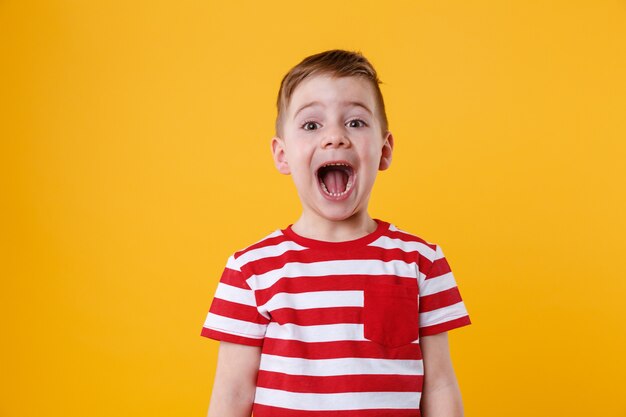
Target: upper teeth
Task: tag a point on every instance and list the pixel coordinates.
(336, 164)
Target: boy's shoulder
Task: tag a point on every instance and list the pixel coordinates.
(398, 238)
(262, 247)
(404, 236)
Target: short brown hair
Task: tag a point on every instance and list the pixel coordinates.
(337, 63)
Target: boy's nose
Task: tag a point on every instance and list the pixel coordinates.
(336, 139)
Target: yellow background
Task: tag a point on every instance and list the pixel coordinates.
(135, 158)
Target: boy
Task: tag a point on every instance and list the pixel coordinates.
(337, 314)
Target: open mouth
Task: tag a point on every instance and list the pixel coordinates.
(336, 178)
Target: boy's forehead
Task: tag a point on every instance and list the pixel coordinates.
(324, 90)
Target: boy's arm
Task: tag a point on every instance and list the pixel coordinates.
(235, 380)
(441, 396)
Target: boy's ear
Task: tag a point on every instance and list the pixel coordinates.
(387, 151)
(280, 158)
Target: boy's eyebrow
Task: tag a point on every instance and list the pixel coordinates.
(359, 104)
(348, 103)
(311, 104)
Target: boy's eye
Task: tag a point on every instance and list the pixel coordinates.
(310, 125)
(356, 123)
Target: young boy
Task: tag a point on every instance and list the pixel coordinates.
(337, 314)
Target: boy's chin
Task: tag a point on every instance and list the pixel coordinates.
(337, 214)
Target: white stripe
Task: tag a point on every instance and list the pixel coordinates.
(341, 366)
(232, 264)
(393, 228)
(317, 299)
(234, 326)
(339, 401)
(438, 284)
(439, 252)
(275, 233)
(235, 294)
(442, 315)
(319, 333)
(387, 242)
(342, 267)
(268, 251)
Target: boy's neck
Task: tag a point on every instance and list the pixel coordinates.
(319, 228)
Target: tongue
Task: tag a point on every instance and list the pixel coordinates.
(335, 180)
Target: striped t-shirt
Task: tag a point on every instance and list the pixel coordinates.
(339, 323)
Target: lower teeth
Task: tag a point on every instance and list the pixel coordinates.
(335, 194)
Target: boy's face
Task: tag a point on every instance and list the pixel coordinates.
(332, 145)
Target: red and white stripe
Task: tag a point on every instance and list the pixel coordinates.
(304, 305)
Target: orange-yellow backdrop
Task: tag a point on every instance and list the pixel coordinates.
(135, 158)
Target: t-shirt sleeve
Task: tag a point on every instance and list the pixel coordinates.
(440, 305)
(233, 315)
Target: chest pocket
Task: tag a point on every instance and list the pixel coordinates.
(390, 314)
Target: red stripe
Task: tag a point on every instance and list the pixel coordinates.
(264, 265)
(227, 337)
(439, 300)
(340, 383)
(268, 411)
(424, 264)
(237, 311)
(234, 278)
(305, 284)
(444, 327)
(440, 267)
(340, 349)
